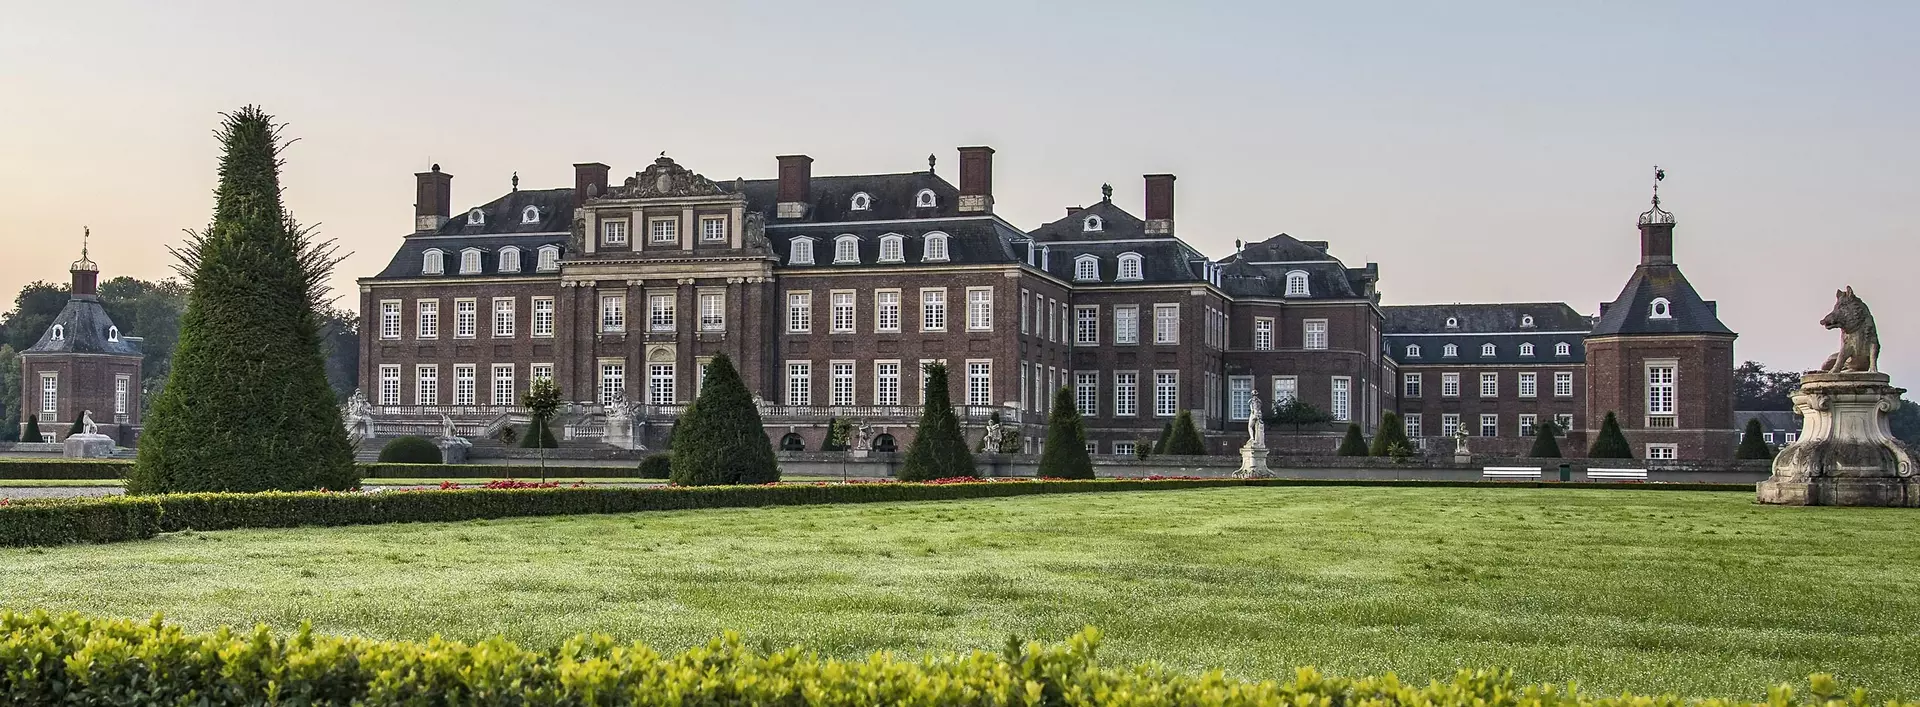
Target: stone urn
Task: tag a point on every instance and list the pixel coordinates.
(1846, 454)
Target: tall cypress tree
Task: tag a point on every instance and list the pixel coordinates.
(1166, 435)
(247, 406)
(1185, 437)
(1544, 444)
(724, 441)
(1611, 443)
(939, 451)
(1751, 445)
(1066, 454)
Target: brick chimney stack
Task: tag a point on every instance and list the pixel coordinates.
(1159, 204)
(589, 181)
(432, 200)
(976, 179)
(796, 186)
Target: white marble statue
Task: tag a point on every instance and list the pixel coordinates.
(87, 425)
(1256, 422)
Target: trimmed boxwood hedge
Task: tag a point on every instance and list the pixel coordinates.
(371, 472)
(75, 659)
(63, 469)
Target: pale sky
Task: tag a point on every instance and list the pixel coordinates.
(1478, 151)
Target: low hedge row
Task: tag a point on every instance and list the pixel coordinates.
(74, 659)
(64, 469)
(521, 469)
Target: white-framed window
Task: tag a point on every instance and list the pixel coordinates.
(713, 311)
(1166, 323)
(1487, 350)
(1562, 349)
(1285, 388)
(840, 317)
(426, 315)
(503, 317)
(1563, 384)
(613, 232)
(663, 231)
(1053, 321)
(660, 312)
(1091, 223)
(662, 384)
(1529, 384)
(979, 308)
(1086, 392)
(886, 382)
(861, 201)
(1313, 334)
(1663, 452)
(1489, 425)
(1411, 421)
(122, 390)
(433, 262)
(1129, 267)
(543, 316)
(934, 248)
(389, 319)
(800, 383)
(1126, 324)
(1562, 424)
(548, 260)
(465, 377)
(389, 384)
(1342, 402)
(1660, 309)
(713, 229)
(800, 312)
(933, 309)
(1086, 325)
(1449, 351)
(1449, 424)
(1297, 284)
(1450, 385)
(1412, 385)
(1413, 351)
(466, 318)
(540, 371)
(510, 258)
(979, 383)
(893, 248)
(613, 381)
(1239, 393)
(1527, 421)
(1489, 385)
(1125, 449)
(802, 251)
(886, 311)
(50, 392)
(1024, 400)
(840, 383)
(1166, 393)
(613, 313)
(503, 384)
(1526, 321)
(1453, 322)
(701, 365)
(476, 217)
(426, 384)
(530, 214)
(1126, 394)
(925, 199)
(470, 261)
(1660, 385)
(1793, 437)
(1526, 348)
(846, 249)
(1086, 268)
(1263, 334)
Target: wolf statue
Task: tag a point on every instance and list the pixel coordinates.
(1859, 340)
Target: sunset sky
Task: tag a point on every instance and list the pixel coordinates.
(1479, 152)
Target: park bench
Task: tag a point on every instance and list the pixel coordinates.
(1616, 474)
(1511, 473)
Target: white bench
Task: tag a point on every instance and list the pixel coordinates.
(1616, 474)
(1511, 473)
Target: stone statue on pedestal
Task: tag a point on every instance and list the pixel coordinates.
(1256, 422)
(87, 425)
(88, 443)
(1253, 454)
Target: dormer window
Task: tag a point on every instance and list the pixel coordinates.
(476, 217)
(1450, 351)
(530, 214)
(470, 261)
(846, 249)
(1488, 350)
(802, 252)
(509, 259)
(893, 248)
(1129, 266)
(549, 260)
(1526, 348)
(1297, 284)
(1046, 258)
(113, 333)
(433, 262)
(59, 333)
(1562, 349)
(1086, 268)
(935, 248)
(925, 199)
(1091, 224)
(861, 202)
(1660, 309)
(1453, 322)
(1526, 321)
(1413, 351)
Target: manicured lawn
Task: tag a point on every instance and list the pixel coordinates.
(1697, 592)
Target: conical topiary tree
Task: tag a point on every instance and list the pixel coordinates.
(1751, 445)
(724, 441)
(1066, 454)
(1354, 444)
(939, 450)
(1545, 443)
(1185, 437)
(247, 406)
(1392, 439)
(1166, 435)
(79, 424)
(32, 432)
(1611, 443)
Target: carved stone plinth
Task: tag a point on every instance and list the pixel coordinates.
(1846, 456)
(88, 446)
(454, 450)
(1253, 463)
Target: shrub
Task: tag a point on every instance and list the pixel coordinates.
(1066, 454)
(32, 433)
(542, 401)
(247, 405)
(658, 466)
(63, 469)
(939, 451)
(1186, 437)
(1143, 449)
(724, 442)
(58, 521)
(376, 471)
(1166, 435)
(1545, 445)
(79, 424)
(1354, 444)
(1751, 445)
(1611, 443)
(1393, 434)
(539, 436)
(410, 450)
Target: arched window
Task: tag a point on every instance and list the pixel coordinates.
(549, 258)
(1488, 350)
(1450, 351)
(1046, 258)
(802, 252)
(530, 214)
(1526, 320)
(925, 199)
(1413, 351)
(113, 333)
(1562, 349)
(1526, 348)
(935, 248)
(1453, 322)
(1086, 268)
(59, 333)
(476, 217)
(470, 261)
(1091, 224)
(860, 202)
(793, 443)
(433, 262)
(1297, 284)
(846, 249)
(509, 259)
(1129, 266)
(893, 248)
(1660, 309)
(884, 443)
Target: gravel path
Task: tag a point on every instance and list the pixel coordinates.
(58, 491)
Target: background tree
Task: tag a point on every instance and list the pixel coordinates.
(340, 343)
(542, 402)
(1392, 438)
(939, 451)
(1752, 446)
(1354, 444)
(1611, 443)
(151, 311)
(1185, 438)
(1066, 454)
(247, 406)
(10, 392)
(1756, 388)
(33, 311)
(724, 441)
(1298, 413)
(1546, 443)
(1905, 422)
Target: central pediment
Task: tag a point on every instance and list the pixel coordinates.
(665, 178)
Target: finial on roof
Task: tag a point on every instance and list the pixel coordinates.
(1656, 215)
(930, 160)
(1106, 192)
(516, 180)
(84, 264)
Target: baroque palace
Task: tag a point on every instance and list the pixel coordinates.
(831, 292)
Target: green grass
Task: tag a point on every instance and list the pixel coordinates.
(1700, 593)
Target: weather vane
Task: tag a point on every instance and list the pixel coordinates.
(86, 232)
(1658, 174)
(930, 160)
(1106, 192)
(516, 181)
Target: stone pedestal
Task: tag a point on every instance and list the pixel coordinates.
(1846, 456)
(454, 450)
(88, 446)
(1253, 463)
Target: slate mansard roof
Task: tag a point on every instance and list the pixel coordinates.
(1163, 258)
(501, 226)
(1475, 325)
(84, 329)
(830, 198)
(1259, 270)
(969, 241)
(1630, 313)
